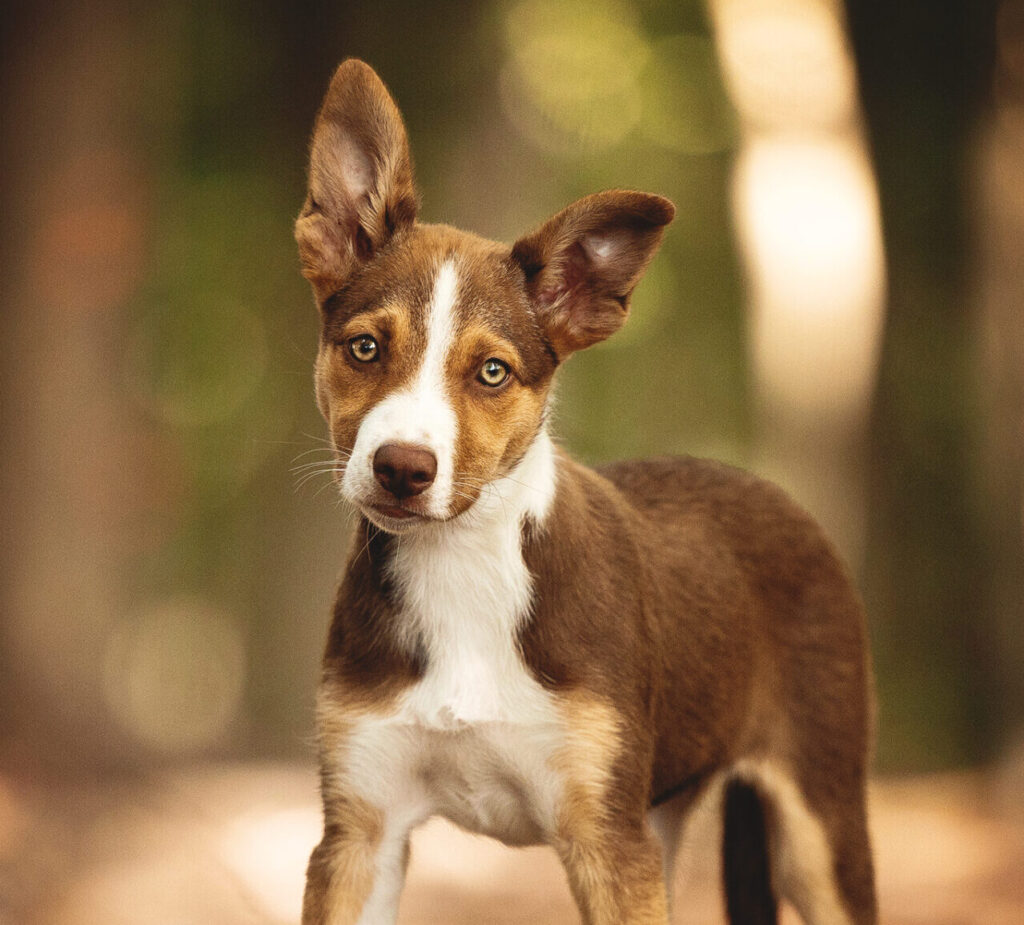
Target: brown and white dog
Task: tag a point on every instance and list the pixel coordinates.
(541, 652)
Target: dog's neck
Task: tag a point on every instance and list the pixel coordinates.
(463, 591)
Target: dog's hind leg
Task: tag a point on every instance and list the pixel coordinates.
(670, 820)
(818, 845)
(666, 820)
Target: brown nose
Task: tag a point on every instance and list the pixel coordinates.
(404, 470)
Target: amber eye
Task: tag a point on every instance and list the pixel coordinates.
(493, 372)
(364, 348)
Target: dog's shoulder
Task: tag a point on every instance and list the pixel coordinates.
(662, 484)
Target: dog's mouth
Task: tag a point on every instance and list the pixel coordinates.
(399, 513)
(401, 517)
(393, 518)
(404, 514)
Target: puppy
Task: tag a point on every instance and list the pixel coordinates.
(538, 651)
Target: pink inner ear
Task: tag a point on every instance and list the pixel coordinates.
(570, 276)
(590, 254)
(356, 169)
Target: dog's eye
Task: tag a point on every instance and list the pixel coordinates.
(493, 372)
(364, 348)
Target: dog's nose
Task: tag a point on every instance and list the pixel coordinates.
(404, 470)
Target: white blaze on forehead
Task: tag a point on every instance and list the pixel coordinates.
(419, 414)
(440, 327)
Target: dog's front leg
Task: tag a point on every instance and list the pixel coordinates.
(371, 804)
(615, 872)
(356, 873)
(601, 832)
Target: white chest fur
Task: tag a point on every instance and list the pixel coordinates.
(465, 592)
(474, 738)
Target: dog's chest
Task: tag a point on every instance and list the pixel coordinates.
(492, 778)
(475, 739)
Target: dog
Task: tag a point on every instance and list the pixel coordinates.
(539, 651)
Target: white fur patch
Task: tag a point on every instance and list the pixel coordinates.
(604, 247)
(465, 592)
(420, 414)
(381, 905)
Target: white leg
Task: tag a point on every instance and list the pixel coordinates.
(381, 906)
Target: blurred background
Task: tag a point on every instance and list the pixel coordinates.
(838, 306)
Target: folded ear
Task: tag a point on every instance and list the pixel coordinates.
(582, 265)
(360, 179)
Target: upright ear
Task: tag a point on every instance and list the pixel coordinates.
(582, 265)
(360, 179)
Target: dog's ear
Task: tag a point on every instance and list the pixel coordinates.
(582, 265)
(360, 179)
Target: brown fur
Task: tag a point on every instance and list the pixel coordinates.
(362, 665)
(722, 625)
(341, 222)
(340, 872)
(614, 874)
(582, 296)
(690, 621)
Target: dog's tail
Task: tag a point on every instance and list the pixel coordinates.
(749, 898)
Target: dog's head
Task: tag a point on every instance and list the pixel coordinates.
(438, 348)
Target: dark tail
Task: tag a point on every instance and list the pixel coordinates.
(749, 899)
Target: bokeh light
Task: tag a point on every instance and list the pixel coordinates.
(573, 74)
(685, 108)
(268, 850)
(174, 674)
(810, 227)
(787, 63)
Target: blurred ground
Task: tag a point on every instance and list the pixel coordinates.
(228, 845)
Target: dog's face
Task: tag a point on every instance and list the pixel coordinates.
(432, 374)
(438, 348)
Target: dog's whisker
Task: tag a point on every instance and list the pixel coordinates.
(315, 449)
(505, 478)
(317, 471)
(323, 488)
(372, 532)
(317, 464)
(482, 486)
(326, 465)
(320, 463)
(310, 476)
(317, 439)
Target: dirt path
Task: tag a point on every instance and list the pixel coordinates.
(228, 845)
